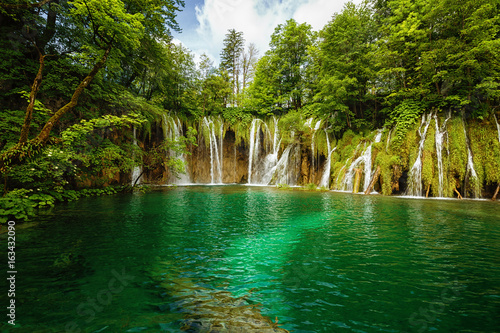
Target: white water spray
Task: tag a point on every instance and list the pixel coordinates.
(470, 166)
(215, 147)
(137, 171)
(366, 160)
(441, 133)
(254, 146)
(325, 178)
(415, 176)
(498, 127)
(172, 130)
(261, 171)
(313, 150)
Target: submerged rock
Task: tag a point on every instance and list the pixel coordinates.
(211, 310)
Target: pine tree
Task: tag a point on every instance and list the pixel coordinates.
(230, 55)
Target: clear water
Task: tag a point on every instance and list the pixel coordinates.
(318, 261)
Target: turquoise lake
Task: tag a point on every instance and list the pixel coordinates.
(312, 261)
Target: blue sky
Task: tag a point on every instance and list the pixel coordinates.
(204, 23)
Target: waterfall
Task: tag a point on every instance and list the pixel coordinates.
(254, 150)
(314, 129)
(261, 171)
(366, 160)
(285, 171)
(440, 135)
(415, 176)
(172, 131)
(137, 171)
(271, 159)
(388, 139)
(325, 178)
(470, 166)
(498, 127)
(215, 147)
(340, 172)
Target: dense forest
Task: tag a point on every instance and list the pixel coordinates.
(88, 87)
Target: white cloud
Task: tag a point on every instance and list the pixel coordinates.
(318, 12)
(257, 19)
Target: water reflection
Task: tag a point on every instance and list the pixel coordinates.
(318, 261)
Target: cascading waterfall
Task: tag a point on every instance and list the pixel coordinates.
(271, 159)
(366, 160)
(261, 172)
(470, 167)
(172, 130)
(254, 149)
(314, 130)
(388, 139)
(215, 147)
(137, 171)
(325, 178)
(285, 171)
(441, 133)
(498, 127)
(415, 175)
(340, 173)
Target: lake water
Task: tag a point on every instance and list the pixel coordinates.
(313, 261)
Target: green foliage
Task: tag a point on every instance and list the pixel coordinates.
(403, 117)
(311, 187)
(280, 81)
(235, 115)
(458, 150)
(485, 148)
(346, 70)
(76, 134)
(22, 204)
(16, 205)
(283, 187)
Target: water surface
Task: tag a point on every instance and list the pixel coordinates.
(316, 261)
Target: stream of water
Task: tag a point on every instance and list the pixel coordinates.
(314, 261)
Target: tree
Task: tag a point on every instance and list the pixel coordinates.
(248, 63)
(102, 26)
(230, 55)
(280, 74)
(443, 53)
(346, 66)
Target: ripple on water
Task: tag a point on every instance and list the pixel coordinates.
(319, 262)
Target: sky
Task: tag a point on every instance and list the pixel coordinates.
(205, 23)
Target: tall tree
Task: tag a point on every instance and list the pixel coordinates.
(230, 59)
(346, 66)
(283, 68)
(248, 62)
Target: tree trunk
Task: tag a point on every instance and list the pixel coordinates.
(29, 110)
(427, 192)
(374, 180)
(16, 154)
(43, 136)
(496, 193)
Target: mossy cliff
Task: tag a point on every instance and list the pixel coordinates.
(439, 155)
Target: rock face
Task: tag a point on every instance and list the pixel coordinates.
(234, 162)
(440, 156)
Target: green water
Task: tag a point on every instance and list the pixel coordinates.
(319, 262)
